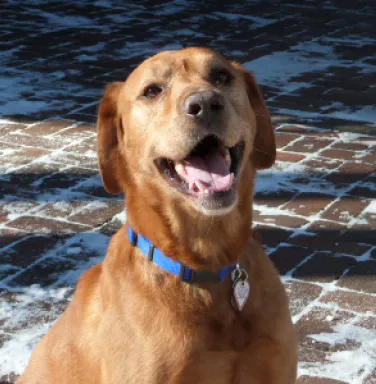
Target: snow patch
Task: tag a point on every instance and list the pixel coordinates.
(371, 208)
(350, 366)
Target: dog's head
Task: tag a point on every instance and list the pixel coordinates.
(187, 124)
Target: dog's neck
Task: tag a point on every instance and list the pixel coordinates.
(184, 234)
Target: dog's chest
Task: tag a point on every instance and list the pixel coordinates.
(217, 355)
(220, 367)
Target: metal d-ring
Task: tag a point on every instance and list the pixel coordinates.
(239, 273)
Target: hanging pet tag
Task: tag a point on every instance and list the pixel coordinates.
(241, 293)
(240, 288)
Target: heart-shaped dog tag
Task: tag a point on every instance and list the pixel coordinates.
(241, 293)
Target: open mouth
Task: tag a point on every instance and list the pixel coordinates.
(209, 171)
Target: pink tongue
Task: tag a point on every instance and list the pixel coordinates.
(211, 170)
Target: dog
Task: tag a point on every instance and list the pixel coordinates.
(185, 294)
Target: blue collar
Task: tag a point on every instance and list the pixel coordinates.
(184, 272)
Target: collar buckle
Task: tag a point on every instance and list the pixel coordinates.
(151, 252)
(185, 274)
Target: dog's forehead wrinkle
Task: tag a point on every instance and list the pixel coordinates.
(184, 65)
(157, 71)
(199, 62)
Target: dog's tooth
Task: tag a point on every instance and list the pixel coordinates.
(206, 191)
(179, 168)
(227, 156)
(200, 186)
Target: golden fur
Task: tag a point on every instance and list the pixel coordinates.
(130, 321)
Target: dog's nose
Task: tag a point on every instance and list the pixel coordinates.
(204, 105)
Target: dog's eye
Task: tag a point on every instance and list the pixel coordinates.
(221, 77)
(152, 91)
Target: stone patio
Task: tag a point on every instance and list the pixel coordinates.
(315, 210)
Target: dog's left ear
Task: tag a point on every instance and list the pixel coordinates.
(264, 147)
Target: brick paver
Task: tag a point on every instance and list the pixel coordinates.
(315, 210)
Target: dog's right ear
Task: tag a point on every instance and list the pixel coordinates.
(109, 136)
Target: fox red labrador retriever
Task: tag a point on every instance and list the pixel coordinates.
(185, 293)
